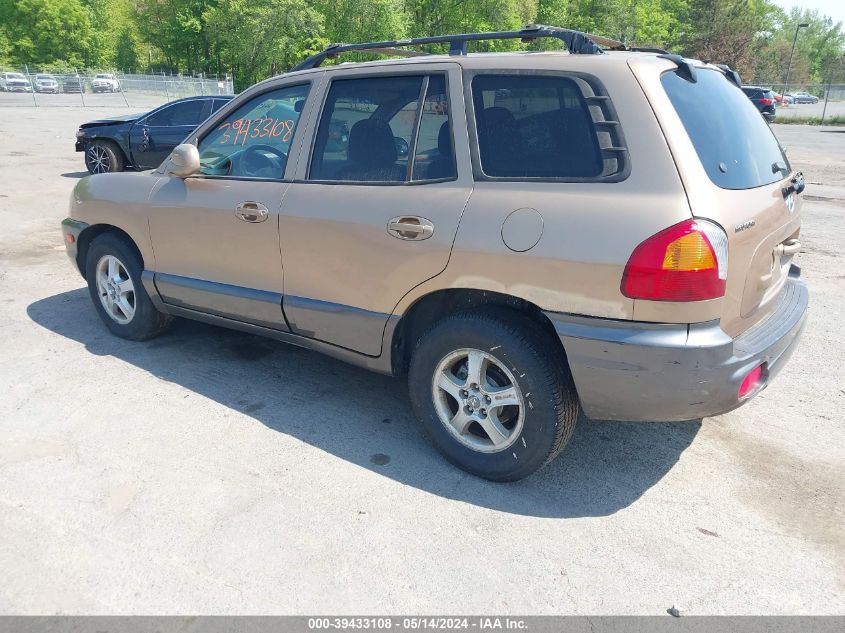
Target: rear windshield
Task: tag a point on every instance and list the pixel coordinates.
(733, 142)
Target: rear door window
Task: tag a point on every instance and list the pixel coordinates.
(385, 129)
(534, 127)
(735, 145)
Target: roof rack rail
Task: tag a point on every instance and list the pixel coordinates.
(576, 42)
(685, 68)
(731, 74)
(646, 49)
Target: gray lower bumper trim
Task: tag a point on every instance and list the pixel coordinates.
(74, 228)
(649, 371)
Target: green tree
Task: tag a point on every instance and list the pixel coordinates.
(257, 38)
(126, 51)
(362, 20)
(43, 31)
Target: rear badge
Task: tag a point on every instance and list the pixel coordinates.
(790, 203)
(742, 226)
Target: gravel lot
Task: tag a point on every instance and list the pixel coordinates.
(209, 471)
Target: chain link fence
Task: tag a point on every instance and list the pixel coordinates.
(90, 88)
(807, 101)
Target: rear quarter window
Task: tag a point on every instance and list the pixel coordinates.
(735, 145)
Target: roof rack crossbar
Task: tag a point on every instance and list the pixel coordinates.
(576, 42)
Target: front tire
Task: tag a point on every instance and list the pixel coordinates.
(493, 391)
(113, 271)
(103, 157)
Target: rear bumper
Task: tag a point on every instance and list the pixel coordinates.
(665, 372)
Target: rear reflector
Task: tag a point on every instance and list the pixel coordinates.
(751, 381)
(686, 262)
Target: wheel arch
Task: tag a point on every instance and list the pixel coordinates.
(430, 308)
(83, 243)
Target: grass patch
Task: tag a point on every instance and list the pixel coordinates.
(811, 120)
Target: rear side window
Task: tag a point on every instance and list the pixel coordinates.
(735, 145)
(534, 127)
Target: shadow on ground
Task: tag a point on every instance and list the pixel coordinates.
(75, 174)
(366, 419)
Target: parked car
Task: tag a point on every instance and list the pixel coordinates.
(607, 230)
(73, 84)
(782, 99)
(763, 99)
(804, 97)
(105, 82)
(142, 141)
(15, 82)
(46, 83)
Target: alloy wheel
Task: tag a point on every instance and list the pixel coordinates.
(115, 288)
(478, 400)
(98, 159)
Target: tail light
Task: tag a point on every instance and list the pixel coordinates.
(765, 101)
(686, 262)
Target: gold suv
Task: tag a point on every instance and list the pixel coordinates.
(520, 233)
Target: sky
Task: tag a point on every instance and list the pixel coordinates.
(833, 8)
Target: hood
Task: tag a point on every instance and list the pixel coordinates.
(115, 120)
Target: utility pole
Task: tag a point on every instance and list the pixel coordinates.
(789, 65)
(827, 92)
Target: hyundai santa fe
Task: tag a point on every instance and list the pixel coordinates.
(521, 234)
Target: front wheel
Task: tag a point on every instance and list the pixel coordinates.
(494, 393)
(103, 157)
(113, 271)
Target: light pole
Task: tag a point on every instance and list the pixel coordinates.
(789, 65)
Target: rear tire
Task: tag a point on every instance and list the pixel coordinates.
(113, 271)
(103, 157)
(520, 365)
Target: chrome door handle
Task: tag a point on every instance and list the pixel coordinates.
(251, 212)
(410, 227)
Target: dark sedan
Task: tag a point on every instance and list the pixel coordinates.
(142, 141)
(762, 98)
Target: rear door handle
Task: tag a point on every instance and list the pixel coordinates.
(410, 227)
(251, 212)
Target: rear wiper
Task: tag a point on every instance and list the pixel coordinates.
(779, 167)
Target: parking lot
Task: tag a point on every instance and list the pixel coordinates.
(834, 108)
(210, 471)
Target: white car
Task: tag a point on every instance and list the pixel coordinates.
(46, 83)
(14, 82)
(105, 82)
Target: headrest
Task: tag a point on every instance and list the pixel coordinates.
(371, 143)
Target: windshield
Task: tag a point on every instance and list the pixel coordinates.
(735, 145)
(15, 76)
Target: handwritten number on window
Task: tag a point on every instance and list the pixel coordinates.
(262, 128)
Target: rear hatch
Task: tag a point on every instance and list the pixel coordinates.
(736, 174)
